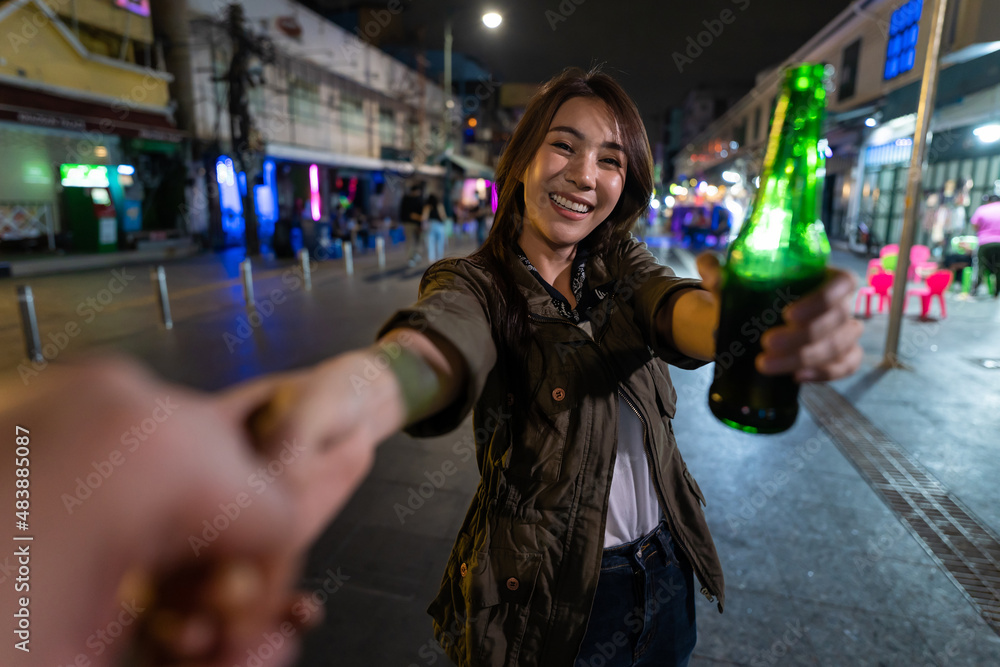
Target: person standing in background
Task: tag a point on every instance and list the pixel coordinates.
(411, 216)
(434, 217)
(987, 223)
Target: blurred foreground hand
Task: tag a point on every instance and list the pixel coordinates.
(152, 536)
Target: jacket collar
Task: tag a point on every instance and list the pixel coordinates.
(539, 301)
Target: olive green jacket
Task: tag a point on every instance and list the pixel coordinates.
(520, 582)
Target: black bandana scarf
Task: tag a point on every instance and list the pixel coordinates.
(585, 298)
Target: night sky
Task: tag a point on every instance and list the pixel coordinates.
(634, 38)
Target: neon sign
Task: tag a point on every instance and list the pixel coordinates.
(84, 175)
(140, 7)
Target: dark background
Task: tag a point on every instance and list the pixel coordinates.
(635, 39)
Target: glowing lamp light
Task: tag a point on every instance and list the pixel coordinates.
(314, 191)
(870, 122)
(731, 177)
(988, 134)
(101, 151)
(126, 169)
(734, 145)
(711, 190)
(654, 203)
(669, 201)
(492, 20)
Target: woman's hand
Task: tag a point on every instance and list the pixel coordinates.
(319, 430)
(819, 338)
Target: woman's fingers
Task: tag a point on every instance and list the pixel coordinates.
(710, 270)
(838, 287)
(816, 355)
(819, 340)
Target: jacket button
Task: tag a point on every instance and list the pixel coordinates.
(513, 583)
(464, 569)
(558, 393)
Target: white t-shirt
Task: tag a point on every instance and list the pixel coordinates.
(633, 510)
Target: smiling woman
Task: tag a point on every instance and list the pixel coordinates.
(586, 532)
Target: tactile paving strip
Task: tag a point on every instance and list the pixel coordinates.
(965, 547)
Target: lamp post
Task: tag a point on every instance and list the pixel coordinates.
(491, 20)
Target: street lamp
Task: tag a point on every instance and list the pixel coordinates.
(491, 20)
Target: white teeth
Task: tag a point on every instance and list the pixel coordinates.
(571, 205)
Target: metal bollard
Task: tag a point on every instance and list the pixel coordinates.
(380, 251)
(29, 323)
(349, 258)
(159, 276)
(306, 269)
(247, 272)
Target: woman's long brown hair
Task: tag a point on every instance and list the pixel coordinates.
(509, 311)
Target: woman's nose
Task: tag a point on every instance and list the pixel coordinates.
(582, 172)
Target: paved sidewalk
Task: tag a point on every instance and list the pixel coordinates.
(819, 570)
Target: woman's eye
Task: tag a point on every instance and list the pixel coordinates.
(613, 161)
(562, 145)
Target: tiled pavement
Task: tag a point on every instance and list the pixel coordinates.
(819, 570)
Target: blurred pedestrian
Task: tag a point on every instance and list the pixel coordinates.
(481, 214)
(434, 218)
(586, 529)
(411, 210)
(987, 223)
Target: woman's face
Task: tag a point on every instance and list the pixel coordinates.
(577, 175)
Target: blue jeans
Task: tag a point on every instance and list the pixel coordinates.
(643, 612)
(435, 241)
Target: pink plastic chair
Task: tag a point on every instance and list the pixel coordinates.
(874, 266)
(937, 283)
(881, 285)
(919, 264)
(891, 249)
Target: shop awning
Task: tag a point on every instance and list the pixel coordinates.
(44, 109)
(471, 168)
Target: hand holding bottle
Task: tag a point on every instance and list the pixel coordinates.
(818, 337)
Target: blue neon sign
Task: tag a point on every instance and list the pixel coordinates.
(904, 32)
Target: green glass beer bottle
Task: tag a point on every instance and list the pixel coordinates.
(779, 255)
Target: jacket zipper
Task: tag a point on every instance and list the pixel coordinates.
(659, 491)
(645, 443)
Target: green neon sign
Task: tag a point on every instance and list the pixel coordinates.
(84, 176)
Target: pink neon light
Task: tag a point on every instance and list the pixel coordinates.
(314, 191)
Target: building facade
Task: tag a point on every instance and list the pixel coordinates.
(877, 49)
(337, 123)
(92, 159)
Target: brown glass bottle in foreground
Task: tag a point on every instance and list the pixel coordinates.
(779, 255)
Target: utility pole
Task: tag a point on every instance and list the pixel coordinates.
(247, 143)
(925, 110)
